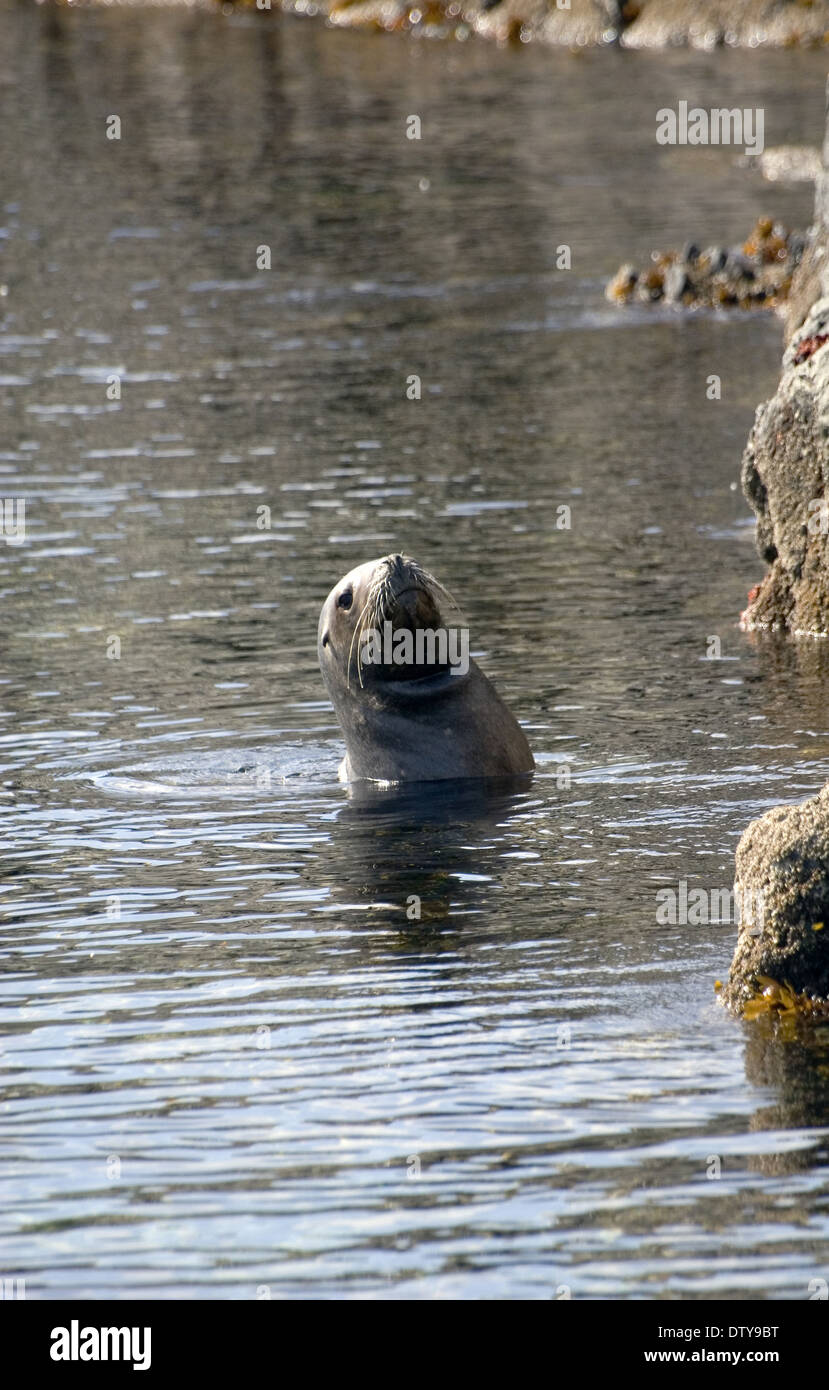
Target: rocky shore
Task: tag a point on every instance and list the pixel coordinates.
(783, 858)
(781, 964)
(785, 477)
(583, 23)
(785, 471)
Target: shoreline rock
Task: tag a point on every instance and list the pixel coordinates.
(734, 23)
(758, 274)
(785, 469)
(783, 862)
(635, 24)
(785, 476)
(784, 855)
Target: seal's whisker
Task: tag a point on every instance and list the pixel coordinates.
(453, 602)
(380, 604)
(373, 611)
(355, 635)
(370, 617)
(436, 588)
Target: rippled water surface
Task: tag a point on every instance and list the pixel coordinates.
(228, 1059)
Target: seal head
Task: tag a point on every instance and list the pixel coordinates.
(412, 704)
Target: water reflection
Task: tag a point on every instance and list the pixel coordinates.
(207, 966)
(394, 858)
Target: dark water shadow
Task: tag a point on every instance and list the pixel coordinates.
(793, 672)
(420, 856)
(794, 1063)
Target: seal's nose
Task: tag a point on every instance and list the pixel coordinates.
(401, 575)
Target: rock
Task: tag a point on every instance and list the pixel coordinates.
(783, 866)
(784, 856)
(743, 23)
(590, 23)
(738, 266)
(785, 477)
(675, 283)
(621, 287)
(789, 164)
(757, 274)
(650, 284)
(714, 258)
(806, 285)
(811, 279)
(585, 23)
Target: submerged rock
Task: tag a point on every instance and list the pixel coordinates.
(757, 274)
(782, 954)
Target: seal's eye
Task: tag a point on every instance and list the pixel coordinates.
(345, 599)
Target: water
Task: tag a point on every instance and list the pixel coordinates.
(229, 1060)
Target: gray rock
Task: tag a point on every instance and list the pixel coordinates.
(707, 23)
(715, 258)
(754, 275)
(811, 278)
(676, 283)
(785, 477)
(783, 869)
(790, 164)
(586, 23)
(784, 856)
(739, 266)
(812, 272)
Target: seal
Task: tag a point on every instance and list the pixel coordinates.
(411, 702)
